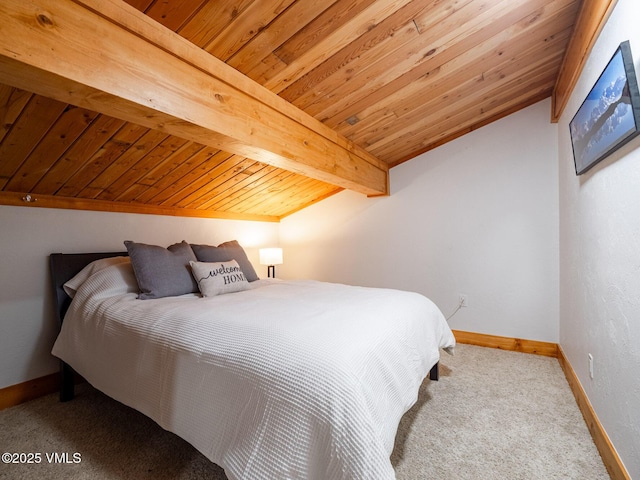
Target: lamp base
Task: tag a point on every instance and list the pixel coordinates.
(271, 271)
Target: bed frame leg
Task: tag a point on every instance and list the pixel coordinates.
(67, 380)
(434, 373)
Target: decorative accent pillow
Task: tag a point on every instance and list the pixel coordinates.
(223, 253)
(162, 272)
(219, 277)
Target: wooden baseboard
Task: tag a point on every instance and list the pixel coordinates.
(547, 349)
(607, 451)
(29, 390)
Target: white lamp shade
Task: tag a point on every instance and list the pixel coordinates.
(270, 256)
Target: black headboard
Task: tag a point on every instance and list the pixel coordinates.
(64, 266)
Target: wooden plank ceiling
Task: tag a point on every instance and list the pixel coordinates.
(396, 77)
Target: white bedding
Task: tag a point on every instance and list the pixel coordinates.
(287, 380)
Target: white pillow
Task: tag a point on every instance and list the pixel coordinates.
(216, 278)
(71, 286)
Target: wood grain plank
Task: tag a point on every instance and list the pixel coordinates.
(158, 173)
(314, 192)
(12, 102)
(96, 135)
(462, 101)
(439, 43)
(299, 194)
(69, 126)
(282, 184)
(275, 200)
(366, 73)
(282, 202)
(173, 14)
(140, 5)
(461, 121)
(510, 59)
(510, 99)
(211, 19)
(340, 37)
(537, 87)
(123, 165)
(254, 19)
(183, 178)
(261, 69)
(169, 163)
(218, 165)
(220, 182)
(236, 186)
(325, 191)
(280, 30)
(446, 43)
(479, 123)
(166, 148)
(335, 16)
(38, 116)
(232, 183)
(396, 28)
(285, 191)
(258, 188)
(108, 153)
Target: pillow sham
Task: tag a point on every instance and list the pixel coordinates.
(217, 278)
(72, 285)
(225, 252)
(162, 272)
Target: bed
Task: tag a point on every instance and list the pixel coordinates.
(281, 380)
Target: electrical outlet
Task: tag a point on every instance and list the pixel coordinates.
(463, 301)
(591, 366)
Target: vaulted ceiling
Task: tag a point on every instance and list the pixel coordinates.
(377, 81)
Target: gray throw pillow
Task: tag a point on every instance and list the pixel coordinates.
(225, 252)
(162, 272)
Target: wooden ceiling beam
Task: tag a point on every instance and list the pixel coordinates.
(106, 56)
(591, 20)
(23, 199)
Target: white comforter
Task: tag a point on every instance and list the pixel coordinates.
(287, 380)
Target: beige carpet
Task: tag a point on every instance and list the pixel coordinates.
(492, 415)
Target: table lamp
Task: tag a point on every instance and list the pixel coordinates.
(271, 257)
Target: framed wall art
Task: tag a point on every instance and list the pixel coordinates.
(610, 115)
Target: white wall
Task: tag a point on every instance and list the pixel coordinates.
(477, 216)
(28, 235)
(600, 259)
